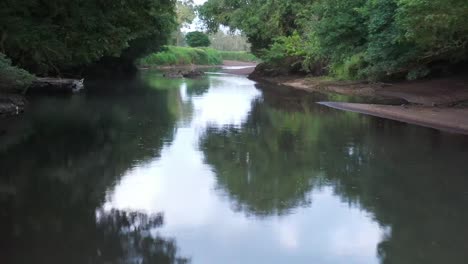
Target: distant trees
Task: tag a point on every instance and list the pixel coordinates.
(197, 39)
(351, 39)
(229, 42)
(185, 10)
(50, 37)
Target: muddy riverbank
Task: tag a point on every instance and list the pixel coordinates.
(439, 104)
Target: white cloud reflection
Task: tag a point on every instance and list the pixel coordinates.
(203, 223)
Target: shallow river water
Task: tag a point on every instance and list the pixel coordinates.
(225, 170)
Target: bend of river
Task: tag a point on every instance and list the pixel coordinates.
(224, 170)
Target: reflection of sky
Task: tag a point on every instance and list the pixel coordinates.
(203, 223)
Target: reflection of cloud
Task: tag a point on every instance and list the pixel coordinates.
(183, 93)
(181, 186)
(288, 236)
(358, 241)
(226, 104)
(179, 178)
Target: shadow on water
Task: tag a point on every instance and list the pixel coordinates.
(65, 155)
(411, 180)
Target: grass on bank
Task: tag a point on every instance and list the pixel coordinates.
(177, 56)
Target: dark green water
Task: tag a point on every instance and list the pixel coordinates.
(222, 170)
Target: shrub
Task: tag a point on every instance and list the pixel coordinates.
(11, 77)
(197, 39)
(183, 56)
(351, 68)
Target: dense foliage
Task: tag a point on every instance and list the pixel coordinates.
(11, 77)
(173, 55)
(50, 37)
(362, 39)
(197, 39)
(183, 56)
(185, 10)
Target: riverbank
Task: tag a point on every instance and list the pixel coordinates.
(238, 67)
(438, 104)
(228, 66)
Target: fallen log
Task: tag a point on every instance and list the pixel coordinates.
(55, 85)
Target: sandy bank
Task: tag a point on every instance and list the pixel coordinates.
(238, 67)
(448, 119)
(441, 92)
(430, 102)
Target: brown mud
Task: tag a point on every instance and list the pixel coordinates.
(437, 103)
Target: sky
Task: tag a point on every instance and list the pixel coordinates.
(196, 24)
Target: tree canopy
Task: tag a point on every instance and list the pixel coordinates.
(362, 39)
(49, 37)
(197, 39)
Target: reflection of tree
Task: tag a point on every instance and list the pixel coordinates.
(266, 165)
(87, 237)
(125, 237)
(195, 87)
(91, 137)
(55, 175)
(412, 180)
(419, 193)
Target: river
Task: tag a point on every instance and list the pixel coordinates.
(225, 170)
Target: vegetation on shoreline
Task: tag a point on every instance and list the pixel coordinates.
(363, 39)
(197, 39)
(176, 56)
(52, 38)
(12, 78)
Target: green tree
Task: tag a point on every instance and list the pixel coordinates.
(362, 39)
(55, 36)
(185, 10)
(197, 39)
(229, 42)
(260, 20)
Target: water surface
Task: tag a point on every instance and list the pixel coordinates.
(224, 170)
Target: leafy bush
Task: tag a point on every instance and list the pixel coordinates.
(49, 37)
(368, 39)
(173, 55)
(350, 69)
(197, 39)
(11, 77)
